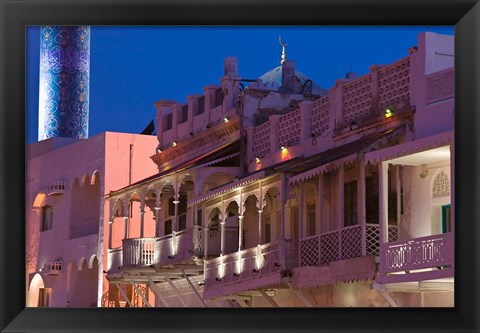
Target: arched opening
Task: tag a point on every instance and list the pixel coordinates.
(231, 227)
(250, 223)
(271, 216)
(38, 295)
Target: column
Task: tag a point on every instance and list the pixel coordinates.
(361, 210)
(222, 233)
(383, 201)
(260, 233)
(157, 208)
(240, 228)
(126, 214)
(383, 210)
(398, 186)
(142, 215)
(110, 230)
(320, 204)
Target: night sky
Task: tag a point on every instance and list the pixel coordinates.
(133, 67)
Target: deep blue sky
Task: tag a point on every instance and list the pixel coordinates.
(132, 67)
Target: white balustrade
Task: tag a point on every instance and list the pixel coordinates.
(138, 252)
(418, 253)
(247, 264)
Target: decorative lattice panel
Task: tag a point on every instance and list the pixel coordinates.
(357, 99)
(392, 233)
(309, 251)
(320, 115)
(261, 140)
(440, 86)
(289, 129)
(394, 85)
(441, 185)
(329, 248)
(373, 240)
(351, 243)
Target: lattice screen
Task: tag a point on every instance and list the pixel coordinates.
(351, 243)
(394, 84)
(357, 99)
(289, 129)
(441, 185)
(309, 252)
(320, 115)
(329, 248)
(261, 140)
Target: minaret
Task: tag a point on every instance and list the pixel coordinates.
(64, 82)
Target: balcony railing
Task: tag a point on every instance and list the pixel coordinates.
(214, 240)
(115, 260)
(248, 264)
(175, 246)
(341, 244)
(418, 253)
(138, 251)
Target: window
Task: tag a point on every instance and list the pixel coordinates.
(371, 198)
(311, 221)
(350, 194)
(47, 218)
(168, 122)
(218, 97)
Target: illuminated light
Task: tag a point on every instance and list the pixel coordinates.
(159, 150)
(174, 143)
(257, 159)
(283, 148)
(388, 112)
(225, 119)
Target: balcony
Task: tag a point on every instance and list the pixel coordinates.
(180, 247)
(341, 244)
(250, 268)
(416, 259)
(52, 268)
(56, 188)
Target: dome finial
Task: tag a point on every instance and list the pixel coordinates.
(284, 56)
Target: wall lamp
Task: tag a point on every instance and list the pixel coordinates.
(174, 143)
(388, 112)
(255, 270)
(171, 257)
(236, 274)
(218, 279)
(257, 159)
(225, 119)
(283, 147)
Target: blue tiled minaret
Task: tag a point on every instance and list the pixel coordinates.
(64, 82)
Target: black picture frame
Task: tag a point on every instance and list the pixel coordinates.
(15, 15)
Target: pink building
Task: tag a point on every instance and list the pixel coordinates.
(271, 192)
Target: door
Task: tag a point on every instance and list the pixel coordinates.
(446, 217)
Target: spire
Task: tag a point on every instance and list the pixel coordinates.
(284, 56)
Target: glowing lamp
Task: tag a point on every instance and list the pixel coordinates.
(174, 143)
(283, 148)
(388, 112)
(257, 159)
(226, 119)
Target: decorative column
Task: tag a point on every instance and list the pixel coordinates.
(126, 217)
(142, 215)
(383, 211)
(110, 224)
(320, 204)
(240, 228)
(176, 201)
(222, 232)
(398, 186)
(157, 208)
(64, 87)
(361, 209)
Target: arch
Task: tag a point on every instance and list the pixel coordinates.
(40, 200)
(91, 261)
(213, 215)
(95, 177)
(248, 198)
(81, 263)
(85, 180)
(34, 287)
(214, 178)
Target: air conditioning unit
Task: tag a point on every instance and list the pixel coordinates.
(52, 268)
(56, 188)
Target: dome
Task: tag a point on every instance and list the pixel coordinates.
(274, 78)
